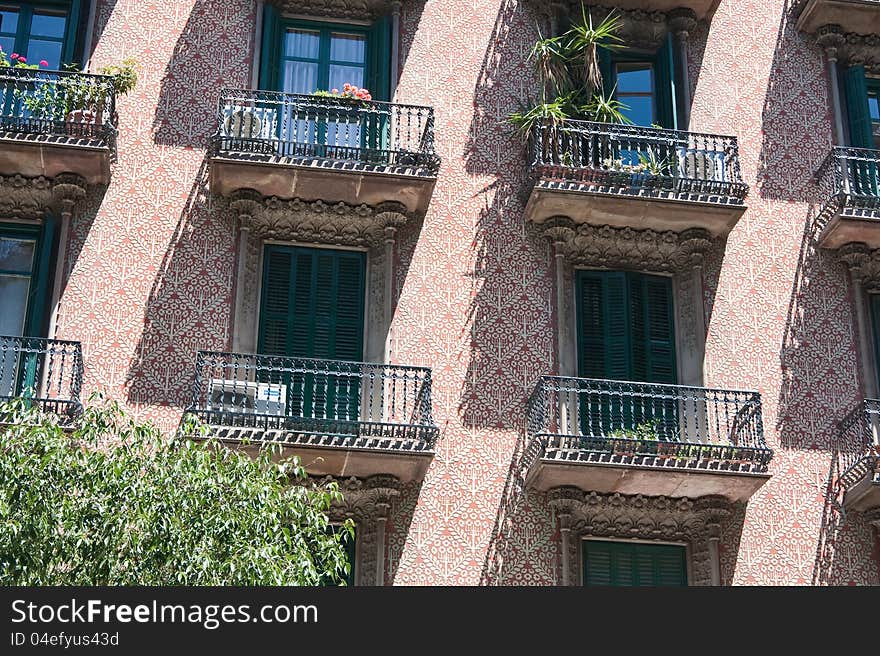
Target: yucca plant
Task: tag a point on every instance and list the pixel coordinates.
(582, 43)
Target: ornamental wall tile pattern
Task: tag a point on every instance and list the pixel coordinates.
(151, 266)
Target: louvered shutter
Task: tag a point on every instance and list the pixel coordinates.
(859, 114)
(633, 564)
(270, 54)
(313, 308)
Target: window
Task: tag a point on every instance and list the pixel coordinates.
(313, 307)
(634, 564)
(626, 333)
(625, 326)
(863, 114)
(23, 272)
(40, 31)
(305, 56)
(24, 262)
(644, 83)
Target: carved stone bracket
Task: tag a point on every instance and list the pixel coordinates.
(30, 198)
(863, 263)
(873, 518)
(849, 48)
(316, 221)
(696, 522)
(609, 247)
(368, 502)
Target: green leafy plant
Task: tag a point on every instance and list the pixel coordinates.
(116, 503)
(653, 164)
(568, 69)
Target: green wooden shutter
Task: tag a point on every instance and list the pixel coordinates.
(72, 51)
(39, 300)
(313, 307)
(659, 330)
(606, 66)
(633, 564)
(664, 86)
(270, 53)
(856, 87)
(275, 317)
(625, 326)
(379, 62)
(875, 321)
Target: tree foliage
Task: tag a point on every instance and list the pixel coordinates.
(116, 503)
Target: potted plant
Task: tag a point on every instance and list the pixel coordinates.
(570, 88)
(86, 96)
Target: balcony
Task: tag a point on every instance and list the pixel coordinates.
(639, 438)
(859, 457)
(852, 212)
(341, 418)
(54, 122)
(43, 372)
(859, 16)
(641, 178)
(324, 148)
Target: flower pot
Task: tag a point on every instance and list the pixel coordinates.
(84, 122)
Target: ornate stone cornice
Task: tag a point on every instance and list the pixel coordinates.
(316, 221)
(863, 263)
(367, 10)
(694, 521)
(30, 198)
(608, 247)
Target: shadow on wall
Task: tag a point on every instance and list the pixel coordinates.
(215, 50)
(819, 329)
(190, 303)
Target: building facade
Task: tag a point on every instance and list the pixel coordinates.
(581, 367)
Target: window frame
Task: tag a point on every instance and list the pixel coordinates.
(41, 270)
(73, 9)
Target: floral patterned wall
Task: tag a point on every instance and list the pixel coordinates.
(151, 274)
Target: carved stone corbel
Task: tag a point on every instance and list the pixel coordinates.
(863, 263)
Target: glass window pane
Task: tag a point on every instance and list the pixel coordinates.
(347, 48)
(13, 298)
(634, 78)
(874, 106)
(339, 75)
(301, 43)
(38, 50)
(641, 109)
(8, 22)
(7, 43)
(48, 23)
(300, 77)
(16, 255)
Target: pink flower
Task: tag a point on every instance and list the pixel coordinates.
(335, 91)
(43, 62)
(14, 55)
(23, 60)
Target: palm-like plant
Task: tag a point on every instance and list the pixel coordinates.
(569, 71)
(582, 43)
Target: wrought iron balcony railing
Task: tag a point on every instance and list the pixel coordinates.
(57, 106)
(851, 176)
(46, 372)
(325, 130)
(633, 160)
(325, 402)
(605, 421)
(858, 449)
